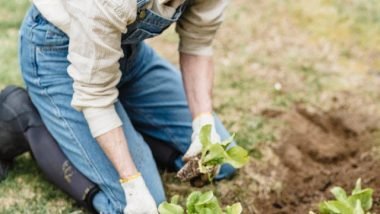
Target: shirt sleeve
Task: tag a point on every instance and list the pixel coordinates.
(94, 52)
(198, 25)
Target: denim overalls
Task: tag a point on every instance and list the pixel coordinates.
(151, 102)
(148, 23)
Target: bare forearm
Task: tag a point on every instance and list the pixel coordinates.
(197, 74)
(115, 146)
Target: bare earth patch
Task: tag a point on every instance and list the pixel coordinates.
(318, 150)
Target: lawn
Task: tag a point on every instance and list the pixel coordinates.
(270, 57)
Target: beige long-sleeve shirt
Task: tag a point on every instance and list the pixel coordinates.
(95, 28)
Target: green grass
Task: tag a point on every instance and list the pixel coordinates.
(12, 13)
(26, 191)
(311, 47)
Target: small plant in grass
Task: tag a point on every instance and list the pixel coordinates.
(359, 202)
(213, 154)
(198, 203)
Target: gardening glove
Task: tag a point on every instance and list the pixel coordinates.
(196, 147)
(138, 198)
(190, 171)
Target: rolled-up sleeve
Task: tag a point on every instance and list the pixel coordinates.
(198, 25)
(94, 51)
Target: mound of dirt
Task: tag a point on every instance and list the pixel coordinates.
(319, 150)
(315, 149)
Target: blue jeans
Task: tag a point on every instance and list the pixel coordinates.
(151, 102)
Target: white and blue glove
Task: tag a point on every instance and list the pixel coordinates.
(196, 147)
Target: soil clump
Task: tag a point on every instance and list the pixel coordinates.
(319, 150)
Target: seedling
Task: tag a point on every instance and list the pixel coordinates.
(198, 203)
(359, 202)
(171, 208)
(213, 154)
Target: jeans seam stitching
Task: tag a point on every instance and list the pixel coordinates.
(87, 159)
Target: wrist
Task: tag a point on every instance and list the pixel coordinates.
(200, 107)
(130, 178)
(134, 187)
(202, 114)
(128, 173)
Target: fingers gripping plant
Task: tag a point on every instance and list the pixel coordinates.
(214, 154)
(198, 203)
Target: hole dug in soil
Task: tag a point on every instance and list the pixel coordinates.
(319, 150)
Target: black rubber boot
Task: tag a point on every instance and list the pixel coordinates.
(21, 128)
(12, 140)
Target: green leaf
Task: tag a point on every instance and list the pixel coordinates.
(205, 169)
(206, 211)
(174, 199)
(234, 209)
(168, 208)
(359, 202)
(358, 208)
(335, 207)
(199, 203)
(215, 154)
(339, 194)
(228, 141)
(325, 209)
(213, 205)
(205, 198)
(191, 201)
(207, 202)
(364, 197)
(358, 186)
(237, 156)
(205, 135)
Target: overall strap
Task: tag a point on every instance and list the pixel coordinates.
(182, 8)
(141, 4)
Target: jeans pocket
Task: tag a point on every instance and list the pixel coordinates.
(138, 36)
(54, 33)
(52, 60)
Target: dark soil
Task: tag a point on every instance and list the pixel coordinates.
(190, 170)
(314, 151)
(319, 150)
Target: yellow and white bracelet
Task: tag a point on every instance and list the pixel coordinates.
(130, 178)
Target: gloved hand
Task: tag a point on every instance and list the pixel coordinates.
(138, 198)
(190, 171)
(196, 146)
